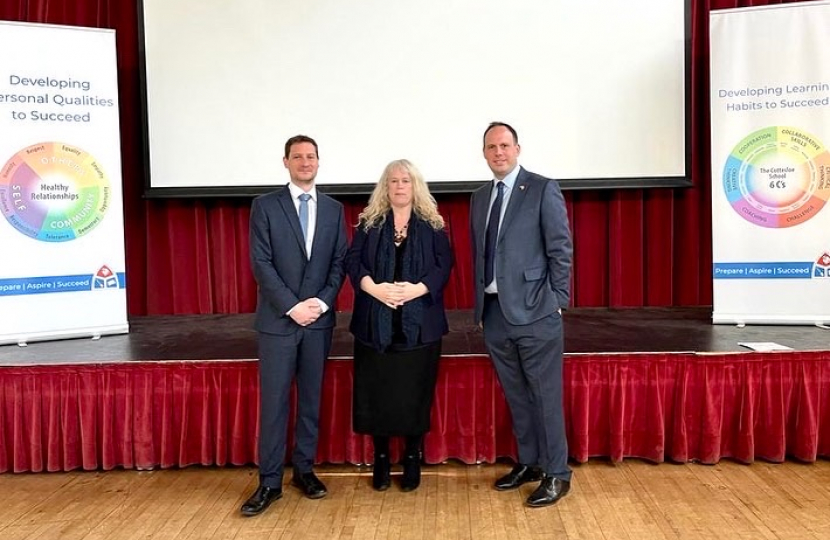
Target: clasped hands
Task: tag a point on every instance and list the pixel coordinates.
(395, 295)
(306, 312)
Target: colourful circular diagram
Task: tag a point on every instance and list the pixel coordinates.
(53, 192)
(778, 177)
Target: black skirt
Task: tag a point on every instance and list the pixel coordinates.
(393, 390)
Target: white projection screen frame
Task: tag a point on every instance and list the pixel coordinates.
(598, 91)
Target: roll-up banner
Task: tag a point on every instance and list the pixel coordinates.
(62, 224)
(770, 108)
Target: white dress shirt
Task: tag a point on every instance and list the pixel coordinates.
(296, 191)
(509, 181)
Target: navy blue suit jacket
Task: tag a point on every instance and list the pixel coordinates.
(438, 261)
(284, 273)
(533, 249)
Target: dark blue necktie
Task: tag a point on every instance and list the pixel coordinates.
(491, 235)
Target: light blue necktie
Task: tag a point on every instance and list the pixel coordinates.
(304, 214)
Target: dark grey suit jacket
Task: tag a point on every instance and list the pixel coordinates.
(533, 250)
(281, 267)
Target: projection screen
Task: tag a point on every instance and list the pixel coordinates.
(597, 90)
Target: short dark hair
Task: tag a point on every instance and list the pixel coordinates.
(297, 139)
(504, 125)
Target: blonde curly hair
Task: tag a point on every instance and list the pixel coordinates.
(423, 203)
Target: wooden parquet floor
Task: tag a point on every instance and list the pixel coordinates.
(630, 500)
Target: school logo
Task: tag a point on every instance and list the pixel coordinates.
(104, 279)
(821, 268)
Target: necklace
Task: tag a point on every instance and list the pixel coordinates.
(400, 234)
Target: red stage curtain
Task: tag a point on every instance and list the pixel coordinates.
(632, 247)
(678, 407)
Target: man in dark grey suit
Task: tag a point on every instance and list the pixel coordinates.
(522, 258)
(298, 247)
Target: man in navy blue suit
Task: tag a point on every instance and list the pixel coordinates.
(298, 247)
(522, 259)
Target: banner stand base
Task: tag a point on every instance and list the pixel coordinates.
(771, 320)
(74, 333)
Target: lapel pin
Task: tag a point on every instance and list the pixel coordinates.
(522, 188)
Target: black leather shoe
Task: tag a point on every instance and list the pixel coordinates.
(521, 474)
(381, 478)
(411, 472)
(260, 500)
(310, 485)
(549, 491)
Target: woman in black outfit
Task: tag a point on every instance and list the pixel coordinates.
(399, 263)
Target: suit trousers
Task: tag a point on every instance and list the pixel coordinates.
(281, 358)
(528, 361)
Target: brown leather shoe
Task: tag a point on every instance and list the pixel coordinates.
(521, 474)
(549, 491)
(260, 500)
(309, 484)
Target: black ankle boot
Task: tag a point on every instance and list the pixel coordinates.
(381, 479)
(411, 472)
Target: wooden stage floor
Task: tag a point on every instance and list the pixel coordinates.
(587, 331)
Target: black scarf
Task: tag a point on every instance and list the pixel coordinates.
(412, 267)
